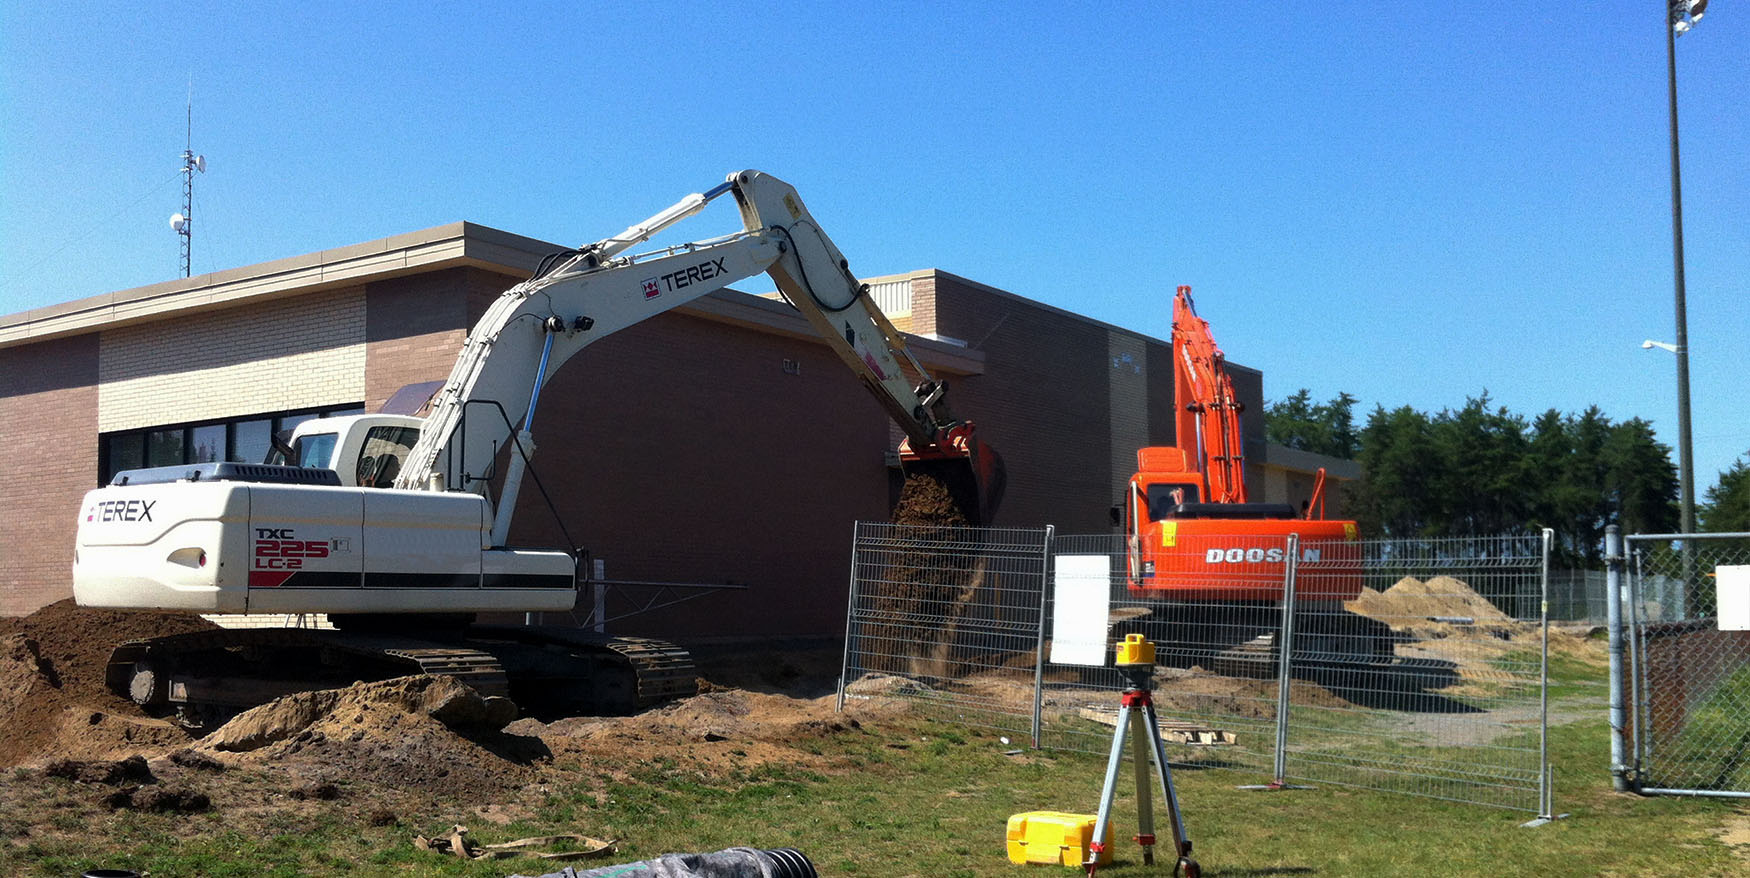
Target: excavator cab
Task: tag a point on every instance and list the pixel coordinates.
(971, 471)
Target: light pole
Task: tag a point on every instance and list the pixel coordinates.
(1680, 16)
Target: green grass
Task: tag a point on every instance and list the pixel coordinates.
(914, 797)
(1713, 748)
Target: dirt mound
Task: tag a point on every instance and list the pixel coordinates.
(441, 698)
(53, 700)
(1412, 601)
(430, 733)
(713, 732)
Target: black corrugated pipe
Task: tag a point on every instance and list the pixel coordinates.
(731, 863)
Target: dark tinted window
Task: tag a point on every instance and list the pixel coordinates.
(126, 451)
(251, 440)
(208, 444)
(164, 447)
(246, 439)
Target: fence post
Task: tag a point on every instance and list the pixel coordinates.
(850, 614)
(1613, 559)
(1039, 640)
(1545, 796)
(1285, 659)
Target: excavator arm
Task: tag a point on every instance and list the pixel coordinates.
(1208, 417)
(493, 392)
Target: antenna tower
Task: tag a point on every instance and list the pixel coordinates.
(183, 222)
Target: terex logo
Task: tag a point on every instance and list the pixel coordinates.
(1257, 556)
(685, 277)
(121, 510)
(277, 549)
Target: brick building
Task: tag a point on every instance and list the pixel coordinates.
(718, 443)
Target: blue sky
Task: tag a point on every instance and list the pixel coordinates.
(1409, 202)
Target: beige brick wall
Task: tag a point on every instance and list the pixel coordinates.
(48, 418)
(293, 353)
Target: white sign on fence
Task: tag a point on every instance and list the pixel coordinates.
(1082, 595)
(1732, 585)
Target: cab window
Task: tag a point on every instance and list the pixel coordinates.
(384, 452)
(311, 451)
(1164, 496)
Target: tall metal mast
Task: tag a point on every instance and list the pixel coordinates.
(183, 222)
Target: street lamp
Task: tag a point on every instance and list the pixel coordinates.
(1680, 16)
(1649, 344)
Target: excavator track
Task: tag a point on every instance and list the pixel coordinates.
(205, 677)
(658, 670)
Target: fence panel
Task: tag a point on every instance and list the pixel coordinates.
(1430, 681)
(1215, 684)
(1690, 670)
(948, 618)
(1415, 666)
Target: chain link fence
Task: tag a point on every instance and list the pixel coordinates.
(1687, 612)
(1414, 667)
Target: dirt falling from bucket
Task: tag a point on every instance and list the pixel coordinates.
(933, 581)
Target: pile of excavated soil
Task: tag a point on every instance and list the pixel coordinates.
(430, 733)
(713, 732)
(1410, 601)
(1176, 692)
(53, 701)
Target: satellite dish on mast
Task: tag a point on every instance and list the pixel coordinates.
(179, 222)
(200, 163)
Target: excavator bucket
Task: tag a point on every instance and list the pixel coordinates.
(971, 470)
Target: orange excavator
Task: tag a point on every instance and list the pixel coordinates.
(1209, 563)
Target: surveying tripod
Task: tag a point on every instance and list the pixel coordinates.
(1136, 714)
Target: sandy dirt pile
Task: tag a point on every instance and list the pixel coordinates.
(432, 733)
(1410, 601)
(714, 732)
(53, 701)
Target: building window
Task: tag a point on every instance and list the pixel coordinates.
(247, 439)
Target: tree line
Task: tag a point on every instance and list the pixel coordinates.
(1482, 469)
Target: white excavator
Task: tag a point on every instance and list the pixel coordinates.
(389, 524)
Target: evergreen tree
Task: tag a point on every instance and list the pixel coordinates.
(1727, 506)
(1481, 469)
(1323, 428)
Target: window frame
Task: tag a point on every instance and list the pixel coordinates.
(106, 468)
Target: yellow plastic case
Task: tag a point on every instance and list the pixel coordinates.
(1054, 837)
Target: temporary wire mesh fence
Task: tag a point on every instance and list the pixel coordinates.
(1690, 663)
(1416, 667)
(1447, 699)
(947, 617)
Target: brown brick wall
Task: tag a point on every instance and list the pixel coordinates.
(414, 328)
(1042, 403)
(1161, 423)
(1249, 390)
(679, 450)
(48, 427)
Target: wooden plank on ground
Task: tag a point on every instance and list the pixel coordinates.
(1172, 731)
